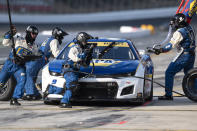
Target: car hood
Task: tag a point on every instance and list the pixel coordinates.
(101, 67)
(110, 67)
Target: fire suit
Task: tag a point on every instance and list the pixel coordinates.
(189, 9)
(49, 47)
(76, 55)
(184, 40)
(14, 66)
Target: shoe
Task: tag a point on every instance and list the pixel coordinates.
(27, 97)
(65, 105)
(38, 97)
(32, 97)
(165, 97)
(15, 102)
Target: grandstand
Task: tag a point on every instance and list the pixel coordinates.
(82, 6)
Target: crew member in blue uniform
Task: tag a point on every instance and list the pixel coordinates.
(25, 50)
(184, 40)
(48, 48)
(76, 58)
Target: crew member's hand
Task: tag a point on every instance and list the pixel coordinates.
(14, 31)
(157, 49)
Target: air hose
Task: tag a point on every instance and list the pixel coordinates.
(161, 85)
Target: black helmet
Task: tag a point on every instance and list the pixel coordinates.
(58, 33)
(179, 20)
(31, 29)
(82, 37)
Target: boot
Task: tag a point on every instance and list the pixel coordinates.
(27, 97)
(15, 102)
(65, 105)
(38, 97)
(32, 97)
(165, 97)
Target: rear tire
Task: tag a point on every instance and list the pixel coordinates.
(188, 84)
(7, 91)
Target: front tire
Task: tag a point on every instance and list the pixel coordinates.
(189, 84)
(150, 98)
(7, 91)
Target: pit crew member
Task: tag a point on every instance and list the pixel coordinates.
(184, 40)
(77, 56)
(25, 50)
(48, 48)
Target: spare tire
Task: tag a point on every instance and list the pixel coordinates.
(6, 92)
(189, 84)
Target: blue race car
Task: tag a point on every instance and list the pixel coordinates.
(116, 76)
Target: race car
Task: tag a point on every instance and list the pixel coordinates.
(119, 74)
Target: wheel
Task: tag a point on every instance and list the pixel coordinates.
(189, 84)
(6, 92)
(150, 98)
(143, 98)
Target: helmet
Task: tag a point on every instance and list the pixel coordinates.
(58, 33)
(179, 20)
(82, 38)
(31, 30)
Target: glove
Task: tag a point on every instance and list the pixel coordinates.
(82, 55)
(157, 49)
(14, 31)
(8, 34)
(19, 60)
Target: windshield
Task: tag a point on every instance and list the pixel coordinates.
(119, 50)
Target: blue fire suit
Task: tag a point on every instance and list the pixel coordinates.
(184, 40)
(48, 47)
(75, 55)
(14, 67)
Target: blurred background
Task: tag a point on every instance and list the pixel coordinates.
(130, 19)
(82, 6)
(144, 22)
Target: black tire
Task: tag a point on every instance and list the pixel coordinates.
(188, 84)
(142, 100)
(150, 98)
(7, 91)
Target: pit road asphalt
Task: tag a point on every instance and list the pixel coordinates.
(177, 115)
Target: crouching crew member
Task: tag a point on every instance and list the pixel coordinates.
(77, 56)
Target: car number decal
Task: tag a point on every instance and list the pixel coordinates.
(54, 81)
